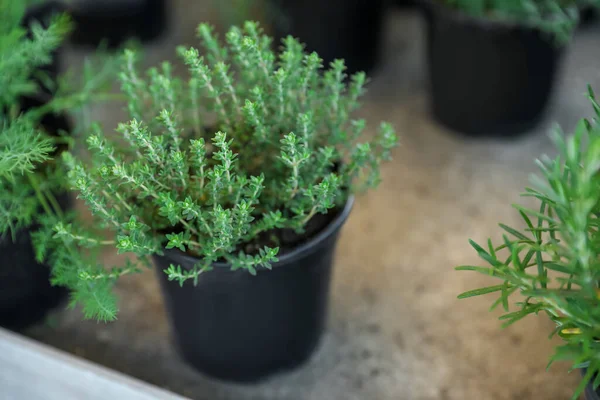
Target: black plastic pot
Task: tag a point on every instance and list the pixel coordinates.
(238, 327)
(113, 22)
(348, 29)
(590, 393)
(487, 77)
(26, 295)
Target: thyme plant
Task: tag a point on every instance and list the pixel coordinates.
(558, 17)
(250, 143)
(553, 263)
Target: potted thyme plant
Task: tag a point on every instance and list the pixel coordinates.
(553, 263)
(492, 64)
(236, 183)
(351, 30)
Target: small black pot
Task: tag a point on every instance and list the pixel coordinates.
(348, 29)
(26, 295)
(114, 22)
(238, 327)
(487, 77)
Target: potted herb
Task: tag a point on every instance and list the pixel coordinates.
(236, 183)
(31, 38)
(34, 129)
(553, 263)
(113, 22)
(351, 30)
(492, 64)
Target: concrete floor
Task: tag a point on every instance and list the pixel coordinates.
(396, 330)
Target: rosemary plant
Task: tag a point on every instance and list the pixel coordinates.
(558, 17)
(217, 164)
(554, 261)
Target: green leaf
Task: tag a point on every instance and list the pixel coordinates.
(484, 255)
(483, 270)
(479, 292)
(514, 232)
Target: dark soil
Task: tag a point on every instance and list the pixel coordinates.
(287, 239)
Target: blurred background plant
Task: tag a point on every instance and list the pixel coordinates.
(558, 17)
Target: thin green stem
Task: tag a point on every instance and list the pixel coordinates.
(39, 193)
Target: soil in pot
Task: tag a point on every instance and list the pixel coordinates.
(351, 30)
(113, 22)
(238, 327)
(487, 77)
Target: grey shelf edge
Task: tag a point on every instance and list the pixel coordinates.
(31, 370)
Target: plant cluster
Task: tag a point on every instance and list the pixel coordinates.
(216, 164)
(558, 17)
(553, 263)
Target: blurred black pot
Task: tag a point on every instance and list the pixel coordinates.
(487, 77)
(588, 16)
(590, 393)
(113, 22)
(348, 29)
(26, 295)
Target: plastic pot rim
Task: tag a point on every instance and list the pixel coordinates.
(305, 248)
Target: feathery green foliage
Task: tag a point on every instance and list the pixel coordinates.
(554, 262)
(558, 17)
(23, 145)
(250, 142)
(30, 176)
